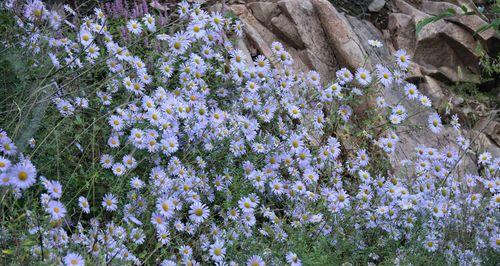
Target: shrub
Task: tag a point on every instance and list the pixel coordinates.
(166, 144)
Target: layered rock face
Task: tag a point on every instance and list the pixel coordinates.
(321, 38)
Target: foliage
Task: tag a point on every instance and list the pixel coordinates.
(155, 141)
(450, 12)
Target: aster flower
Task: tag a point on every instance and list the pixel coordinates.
(238, 28)
(149, 21)
(362, 157)
(293, 259)
(134, 27)
(4, 164)
(54, 188)
(246, 205)
(217, 250)
(83, 203)
(56, 209)
(384, 75)
(93, 51)
(411, 91)
(114, 141)
(344, 76)
(484, 158)
(23, 174)
(363, 77)
(185, 251)
(129, 162)
(86, 37)
(107, 161)
(116, 122)
(375, 43)
(196, 29)
(454, 122)
(118, 169)
(402, 59)
(425, 101)
(381, 103)
(435, 123)
(5, 179)
(431, 243)
(74, 259)
(255, 260)
(219, 111)
(216, 20)
(495, 241)
(198, 212)
(178, 43)
(345, 112)
(165, 207)
(137, 236)
(109, 202)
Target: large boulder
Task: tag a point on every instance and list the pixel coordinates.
(260, 38)
(341, 36)
(264, 11)
(293, 23)
(470, 22)
(286, 30)
(438, 40)
(402, 30)
(310, 31)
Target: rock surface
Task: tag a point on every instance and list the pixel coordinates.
(321, 38)
(376, 5)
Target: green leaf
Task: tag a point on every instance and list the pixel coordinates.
(421, 24)
(7, 252)
(450, 11)
(483, 28)
(464, 8)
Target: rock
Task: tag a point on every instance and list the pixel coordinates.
(415, 74)
(251, 31)
(342, 38)
(402, 30)
(264, 11)
(470, 22)
(259, 38)
(480, 143)
(305, 20)
(376, 5)
(366, 31)
(490, 127)
(457, 101)
(405, 150)
(440, 40)
(459, 75)
(433, 90)
(287, 31)
(241, 45)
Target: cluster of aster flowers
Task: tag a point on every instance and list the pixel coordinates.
(214, 148)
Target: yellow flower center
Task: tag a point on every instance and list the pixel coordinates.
(22, 176)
